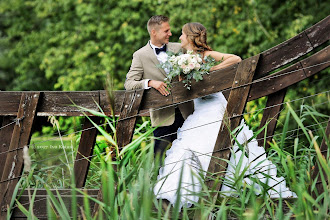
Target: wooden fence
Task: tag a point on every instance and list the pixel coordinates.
(246, 81)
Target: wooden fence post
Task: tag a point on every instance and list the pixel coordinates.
(235, 107)
(20, 138)
(5, 136)
(85, 151)
(129, 110)
(126, 124)
(271, 114)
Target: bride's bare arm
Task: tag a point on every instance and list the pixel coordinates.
(227, 59)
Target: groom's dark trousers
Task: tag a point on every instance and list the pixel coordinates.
(167, 134)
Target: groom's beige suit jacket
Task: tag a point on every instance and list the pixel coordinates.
(143, 67)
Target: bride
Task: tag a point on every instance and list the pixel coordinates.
(189, 157)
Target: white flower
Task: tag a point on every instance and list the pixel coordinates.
(197, 66)
(191, 66)
(172, 59)
(193, 60)
(186, 70)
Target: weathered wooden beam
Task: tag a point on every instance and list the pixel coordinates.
(294, 48)
(270, 116)
(291, 75)
(20, 138)
(40, 203)
(59, 102)
(236, 104)
(85, 151)
(319, 33)
(5, 136)
(127, 118)
(9, 102)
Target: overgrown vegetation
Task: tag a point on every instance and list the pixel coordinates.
(127, 189)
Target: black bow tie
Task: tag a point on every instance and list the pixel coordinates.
(158, 50)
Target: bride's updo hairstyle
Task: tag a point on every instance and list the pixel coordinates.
(196, 34)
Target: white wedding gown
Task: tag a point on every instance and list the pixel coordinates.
(191, 152)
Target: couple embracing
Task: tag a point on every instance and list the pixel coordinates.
(192, 127)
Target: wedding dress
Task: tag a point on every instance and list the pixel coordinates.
(189, 157)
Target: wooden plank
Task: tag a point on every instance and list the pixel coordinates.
(52, 103)
(40, 204)
(236, 104)
(130, 107)
(317, 169)
(319, 33)
(85, 151)
(283, 53)
(153, 99)
(293, 48)
(289, 76)
(276, 82)
(9, 102)
(96, 206)
(270, 115)
(56, 103)
(5, 136)
(317, 62)
(105, 103)
(20, 138)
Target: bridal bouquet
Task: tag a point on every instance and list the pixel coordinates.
(188, 66)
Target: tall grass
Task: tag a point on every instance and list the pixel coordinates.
(128, 176)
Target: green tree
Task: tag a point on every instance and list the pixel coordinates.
(73, 44)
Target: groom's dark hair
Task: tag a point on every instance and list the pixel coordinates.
(155, 21)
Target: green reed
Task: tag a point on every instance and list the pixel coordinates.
(127, 178)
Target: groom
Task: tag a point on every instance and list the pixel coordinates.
(144, 73)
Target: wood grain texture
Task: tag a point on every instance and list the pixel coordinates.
(294, 48)
(58, 102)
(319, 33)
(290, 75)
(126, 124)
(317, 62)
(20, 138)
(5, 137)
(270, 116)
(85, 151)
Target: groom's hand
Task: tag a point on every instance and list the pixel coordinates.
(160, 86)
